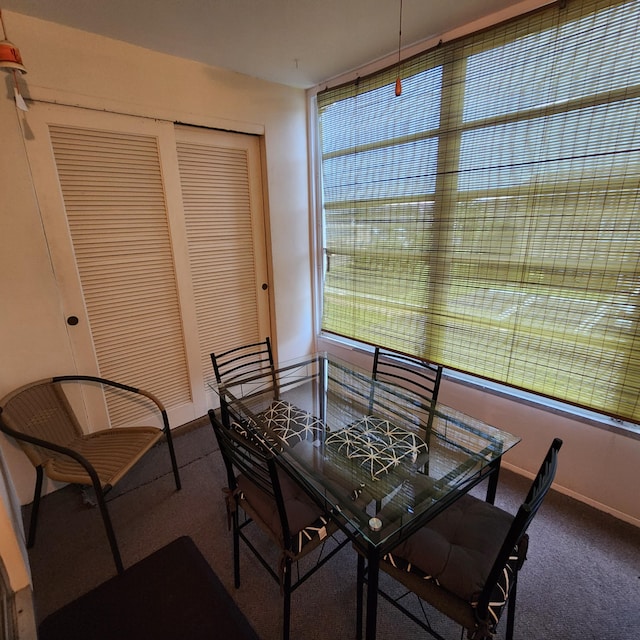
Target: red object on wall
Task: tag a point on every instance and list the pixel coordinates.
(10, 56)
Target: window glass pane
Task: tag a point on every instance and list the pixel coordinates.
(487, 218)
(379, 115)
(594, 54)
(582, 144)
(401, 171)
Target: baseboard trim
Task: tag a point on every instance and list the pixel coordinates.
(625, 517)
(25, 614)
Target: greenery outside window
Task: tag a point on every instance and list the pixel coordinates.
(488, 219)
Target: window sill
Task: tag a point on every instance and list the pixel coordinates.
(576, 414)
(584, 416)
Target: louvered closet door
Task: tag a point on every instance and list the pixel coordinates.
(111, 244)
(220, 177)
(114, 198)
(157, 239)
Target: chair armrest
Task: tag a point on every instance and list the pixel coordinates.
(80, 459)
(124, 387)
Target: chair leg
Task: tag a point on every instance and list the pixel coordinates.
(511, 608)
(109, 528)
(359, 596)
(236, 550)
(35, 507)
(174, 463)
(286, 616)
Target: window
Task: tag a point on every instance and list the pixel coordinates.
(488, 219)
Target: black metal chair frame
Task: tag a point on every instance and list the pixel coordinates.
(418, 377)
(262, 468)
(516, 538)
(243, 363)
(247, 363)
(99, 489)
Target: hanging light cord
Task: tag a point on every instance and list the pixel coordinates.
(4, 29)
(398, 79)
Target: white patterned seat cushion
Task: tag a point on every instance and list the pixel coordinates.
(291, 423)
(377, 444)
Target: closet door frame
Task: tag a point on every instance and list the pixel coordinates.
(62, 254)
(213, 210)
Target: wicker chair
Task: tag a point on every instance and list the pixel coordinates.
(39, 416)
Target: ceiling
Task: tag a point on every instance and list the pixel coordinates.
(300, 43)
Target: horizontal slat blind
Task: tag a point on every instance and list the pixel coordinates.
(487, 219)
(217, 208)
(114, 200)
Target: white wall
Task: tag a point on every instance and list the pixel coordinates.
(597, 465)
(14, 559)
(76, 68)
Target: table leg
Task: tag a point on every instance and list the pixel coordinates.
(372, 593)
(493, 481)
(359, 596)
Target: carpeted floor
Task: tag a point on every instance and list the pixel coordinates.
(582, 578)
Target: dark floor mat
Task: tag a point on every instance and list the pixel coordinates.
(172, 594)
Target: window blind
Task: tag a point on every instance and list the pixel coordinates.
(487, 218)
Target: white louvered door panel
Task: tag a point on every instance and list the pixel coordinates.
(155, 284)
(114, 198)
(221, 182)
(111, 213)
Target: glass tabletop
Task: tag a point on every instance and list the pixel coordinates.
(361, 446)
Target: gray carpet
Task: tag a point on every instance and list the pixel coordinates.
(582, 578)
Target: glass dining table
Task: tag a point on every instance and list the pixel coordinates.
(365, 450)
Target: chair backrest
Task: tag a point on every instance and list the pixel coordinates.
(255, 463)
(243, 363)
(418, 379)
(250, 365)
(513, 551)
(39, 410)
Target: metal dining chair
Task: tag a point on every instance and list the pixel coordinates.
(250, 363)
(244, 362)
(418, 379)
(252, 367)
(465, 562)
(270, 498)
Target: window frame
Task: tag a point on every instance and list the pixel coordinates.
(320, 261)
